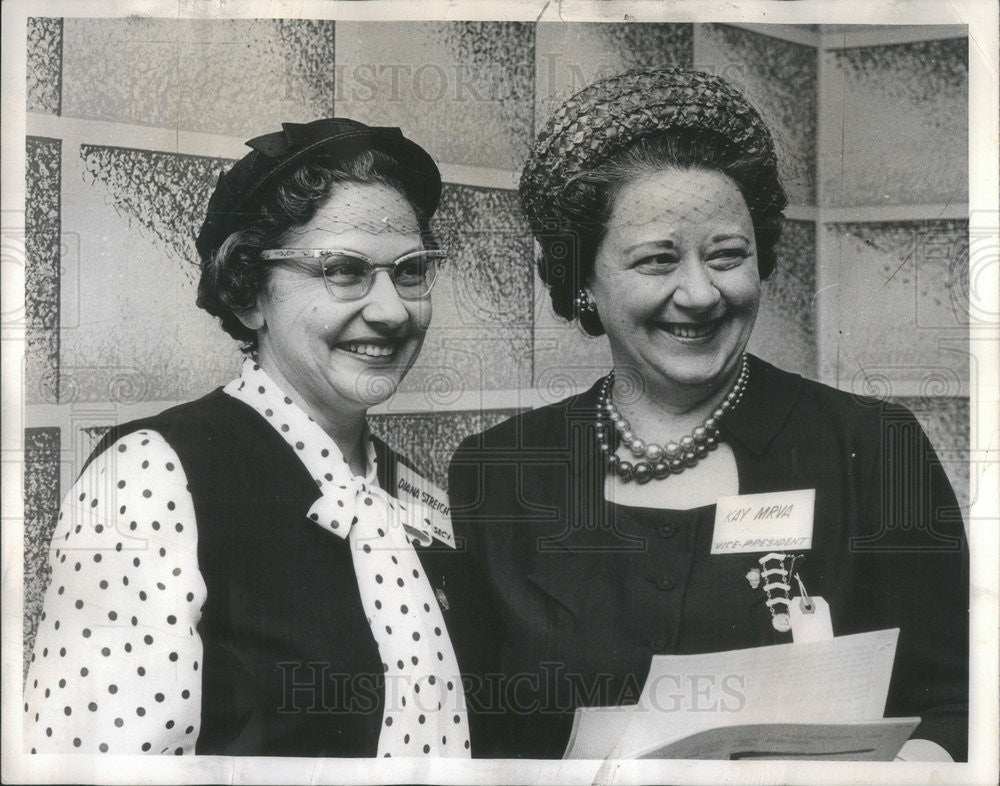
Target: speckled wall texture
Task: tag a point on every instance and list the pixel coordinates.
(162, 193)
(43, 252)
(571, 55)
(903, 302)
(480, 337)
(41, 507)
(429, 440)
(784, 333)
(904, 130)
(255, 73)
(465, 90)
(780, 78)
(44, 67)
(138, 280)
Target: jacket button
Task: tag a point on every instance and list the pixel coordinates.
(667, 530)
(658, 643)
(665, 583)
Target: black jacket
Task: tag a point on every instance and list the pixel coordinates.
(576, 595)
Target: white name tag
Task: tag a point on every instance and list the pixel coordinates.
(413, 489)
(776, 521)
(810, 621)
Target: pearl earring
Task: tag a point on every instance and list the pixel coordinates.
(583, 303)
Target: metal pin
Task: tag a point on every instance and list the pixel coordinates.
(805, 602)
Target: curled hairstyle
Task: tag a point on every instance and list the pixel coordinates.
(585, 202)
(233, 274)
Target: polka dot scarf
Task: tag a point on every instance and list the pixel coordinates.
(424, 704)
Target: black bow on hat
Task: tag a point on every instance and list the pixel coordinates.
(231, 204)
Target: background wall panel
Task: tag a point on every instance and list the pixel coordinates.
(781, 78)
(44, 67)
(139, 336)
(946, 421)
(784, 333)
(42, 495)
(482, 302)
(43, 247)
(465, 90)
(902, 116)
(902, 293)
(234, 76)
(429, 439)
(571, 55)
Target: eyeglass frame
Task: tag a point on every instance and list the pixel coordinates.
(279, 254)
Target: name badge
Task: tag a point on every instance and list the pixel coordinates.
(775, 521)
(429, 501)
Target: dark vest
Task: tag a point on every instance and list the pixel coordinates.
(290, 665)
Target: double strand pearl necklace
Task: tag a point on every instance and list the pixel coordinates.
(660, 461)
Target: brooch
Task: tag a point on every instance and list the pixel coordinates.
(776, 572)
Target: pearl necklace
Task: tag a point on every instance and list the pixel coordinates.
(660, 461)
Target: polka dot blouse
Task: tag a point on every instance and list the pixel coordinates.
(116, 661)
(115, 667)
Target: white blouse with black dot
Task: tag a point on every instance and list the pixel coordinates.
(115, 667)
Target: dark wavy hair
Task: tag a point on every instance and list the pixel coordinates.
(585, 204)
(233, 274)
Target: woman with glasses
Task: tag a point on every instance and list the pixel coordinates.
(231, 576)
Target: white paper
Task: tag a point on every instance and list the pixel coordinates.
(841, 680)
(878, 740)
(597, 731)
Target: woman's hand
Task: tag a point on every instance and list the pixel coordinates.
(922, 750)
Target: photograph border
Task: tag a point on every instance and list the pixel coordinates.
(984, 227)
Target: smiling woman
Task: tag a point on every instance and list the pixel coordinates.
(346, 337)
(231, 576)
(677, 272)
(654, 196)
